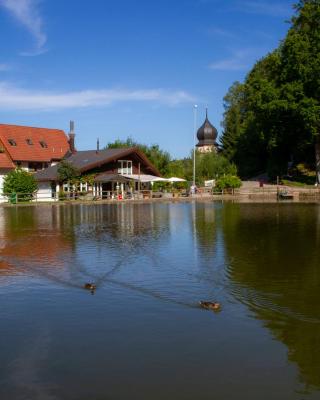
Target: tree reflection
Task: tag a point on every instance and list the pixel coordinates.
(276, 273)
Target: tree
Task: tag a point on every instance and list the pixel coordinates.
(67, 172)
(233, 103)
(301, 70)
(20, 182)
(274, 117)
(158, 157)
(211, 166)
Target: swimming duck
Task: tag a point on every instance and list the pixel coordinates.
(90, 286)
(209, 305)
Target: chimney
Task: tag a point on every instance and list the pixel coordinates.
(97, 151)
(71, 138)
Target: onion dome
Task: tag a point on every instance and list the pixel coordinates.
(207, 133)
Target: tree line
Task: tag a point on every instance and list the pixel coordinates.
(272, 120)
(208, 165)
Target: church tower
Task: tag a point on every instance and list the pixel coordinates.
(207, 135)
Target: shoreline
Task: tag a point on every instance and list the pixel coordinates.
(237, 198)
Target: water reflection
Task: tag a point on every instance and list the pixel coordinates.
(275, 272)
(152, 263)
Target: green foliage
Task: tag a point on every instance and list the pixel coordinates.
(228, 182)
(158, 157)
(208, 165)
(67, 172)
(211, 166)
(274, 116)
(181, 169)
(21, 182)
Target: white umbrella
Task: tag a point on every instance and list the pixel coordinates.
(174, 179)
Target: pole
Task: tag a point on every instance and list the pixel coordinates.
(139, 182)
(194, 142)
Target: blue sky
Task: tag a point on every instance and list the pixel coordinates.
(130, 67)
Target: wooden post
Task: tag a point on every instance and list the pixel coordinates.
(317, 151)
(139, 182)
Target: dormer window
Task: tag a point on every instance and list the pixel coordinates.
(43, 144)
(12, 142)
(29, 142)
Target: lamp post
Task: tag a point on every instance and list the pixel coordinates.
(194, 142)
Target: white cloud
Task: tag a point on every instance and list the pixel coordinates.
(13, 98)
(238, 61)
(272, 8)
(214, 31)
(27, 13)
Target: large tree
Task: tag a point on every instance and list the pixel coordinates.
(300, 56)
(274, 117)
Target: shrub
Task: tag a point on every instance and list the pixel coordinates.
(228, 182)
(21, 182)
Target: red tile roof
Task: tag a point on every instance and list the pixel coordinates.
(5, 161)
(55, 140)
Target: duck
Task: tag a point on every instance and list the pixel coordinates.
(209, 305)
(90, 286)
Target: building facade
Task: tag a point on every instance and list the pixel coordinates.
(101, 172)
(31, 149)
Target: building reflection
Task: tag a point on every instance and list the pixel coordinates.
(47, 235)
(276, 274)
(203, 220)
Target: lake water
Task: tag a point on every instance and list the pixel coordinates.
(142, 334)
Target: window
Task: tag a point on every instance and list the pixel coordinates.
(125, 167)
(43, 144)
(35, 166)
(29, 142)
(12, 142)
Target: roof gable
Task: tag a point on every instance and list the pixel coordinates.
(25, 143)
(90, 159)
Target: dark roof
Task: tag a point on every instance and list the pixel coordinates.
(90, 159)
(207, 133)
(105, 177)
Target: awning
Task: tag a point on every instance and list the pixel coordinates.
(144, 178)
(174, 179)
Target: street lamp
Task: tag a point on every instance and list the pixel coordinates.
(194, 142)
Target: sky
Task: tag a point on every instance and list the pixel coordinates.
(130, 68)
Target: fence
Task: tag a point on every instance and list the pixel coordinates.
(252, 193)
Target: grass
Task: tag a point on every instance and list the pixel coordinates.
(297, 183)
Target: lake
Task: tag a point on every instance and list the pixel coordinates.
(142, 335)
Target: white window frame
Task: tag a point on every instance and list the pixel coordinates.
(125, 167)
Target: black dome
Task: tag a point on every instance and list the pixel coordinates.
(207, 133)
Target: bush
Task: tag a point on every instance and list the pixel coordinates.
(228, 182)
(21, 182)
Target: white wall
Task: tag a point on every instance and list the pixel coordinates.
(44, 192)
(3, 173)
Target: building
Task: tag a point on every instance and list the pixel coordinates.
(207, 136)
(103, 173)
(32, 148)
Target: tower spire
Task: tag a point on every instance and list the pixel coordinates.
(206, 112)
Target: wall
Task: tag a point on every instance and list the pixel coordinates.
(44, 192)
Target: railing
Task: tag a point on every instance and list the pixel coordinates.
(14, 198)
